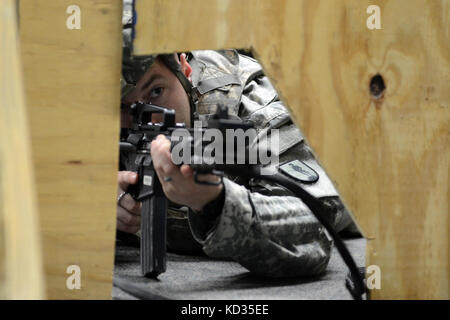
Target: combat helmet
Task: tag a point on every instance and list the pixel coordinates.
(134, 67)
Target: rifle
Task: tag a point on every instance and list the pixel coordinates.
(135, 156)
(149, 190)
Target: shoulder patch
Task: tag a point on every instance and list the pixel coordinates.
(300, 171)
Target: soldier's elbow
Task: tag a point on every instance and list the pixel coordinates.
(310, 260)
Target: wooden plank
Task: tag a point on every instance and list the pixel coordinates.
(388, 156)
(72, 85)
(21, 271)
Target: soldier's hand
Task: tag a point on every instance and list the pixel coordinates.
(181, 188)
(128, 210)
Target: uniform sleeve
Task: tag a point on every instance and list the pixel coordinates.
(274, 236)
(262, 225)
(261, 105)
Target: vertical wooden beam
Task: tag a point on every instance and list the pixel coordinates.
(21, 272)
(388, 156)
(72, 86)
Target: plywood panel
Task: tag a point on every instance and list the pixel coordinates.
(21, 272)
(72, 86)
(388, 156)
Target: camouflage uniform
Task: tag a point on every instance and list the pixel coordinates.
(261, 225)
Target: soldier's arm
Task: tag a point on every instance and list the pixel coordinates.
(260, 224)
(260, 104)
(266, 229)
(269, 235)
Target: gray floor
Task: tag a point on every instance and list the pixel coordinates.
(202, 278)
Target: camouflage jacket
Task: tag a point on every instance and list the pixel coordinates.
(262, 225)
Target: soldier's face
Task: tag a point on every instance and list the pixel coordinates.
(161, 87)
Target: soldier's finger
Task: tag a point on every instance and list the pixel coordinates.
(125, 178)
(127, 202)
(168, 167)
(127, 218)
(161, 157)
(186, 171)
(125, 228)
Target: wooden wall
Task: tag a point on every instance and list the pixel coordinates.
(73, 93)
(21, 272)
(388, 156)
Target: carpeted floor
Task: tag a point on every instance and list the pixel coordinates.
(189, 277)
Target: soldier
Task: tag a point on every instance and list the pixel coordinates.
(256, 223)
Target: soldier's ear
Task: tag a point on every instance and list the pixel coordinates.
(185, 66)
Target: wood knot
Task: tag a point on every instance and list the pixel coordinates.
(377, 87)
(74, 162)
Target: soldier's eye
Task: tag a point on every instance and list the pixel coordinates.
(156, 92)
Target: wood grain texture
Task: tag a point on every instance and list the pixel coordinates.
(389, 156)
(21, 271)
(72, 85)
